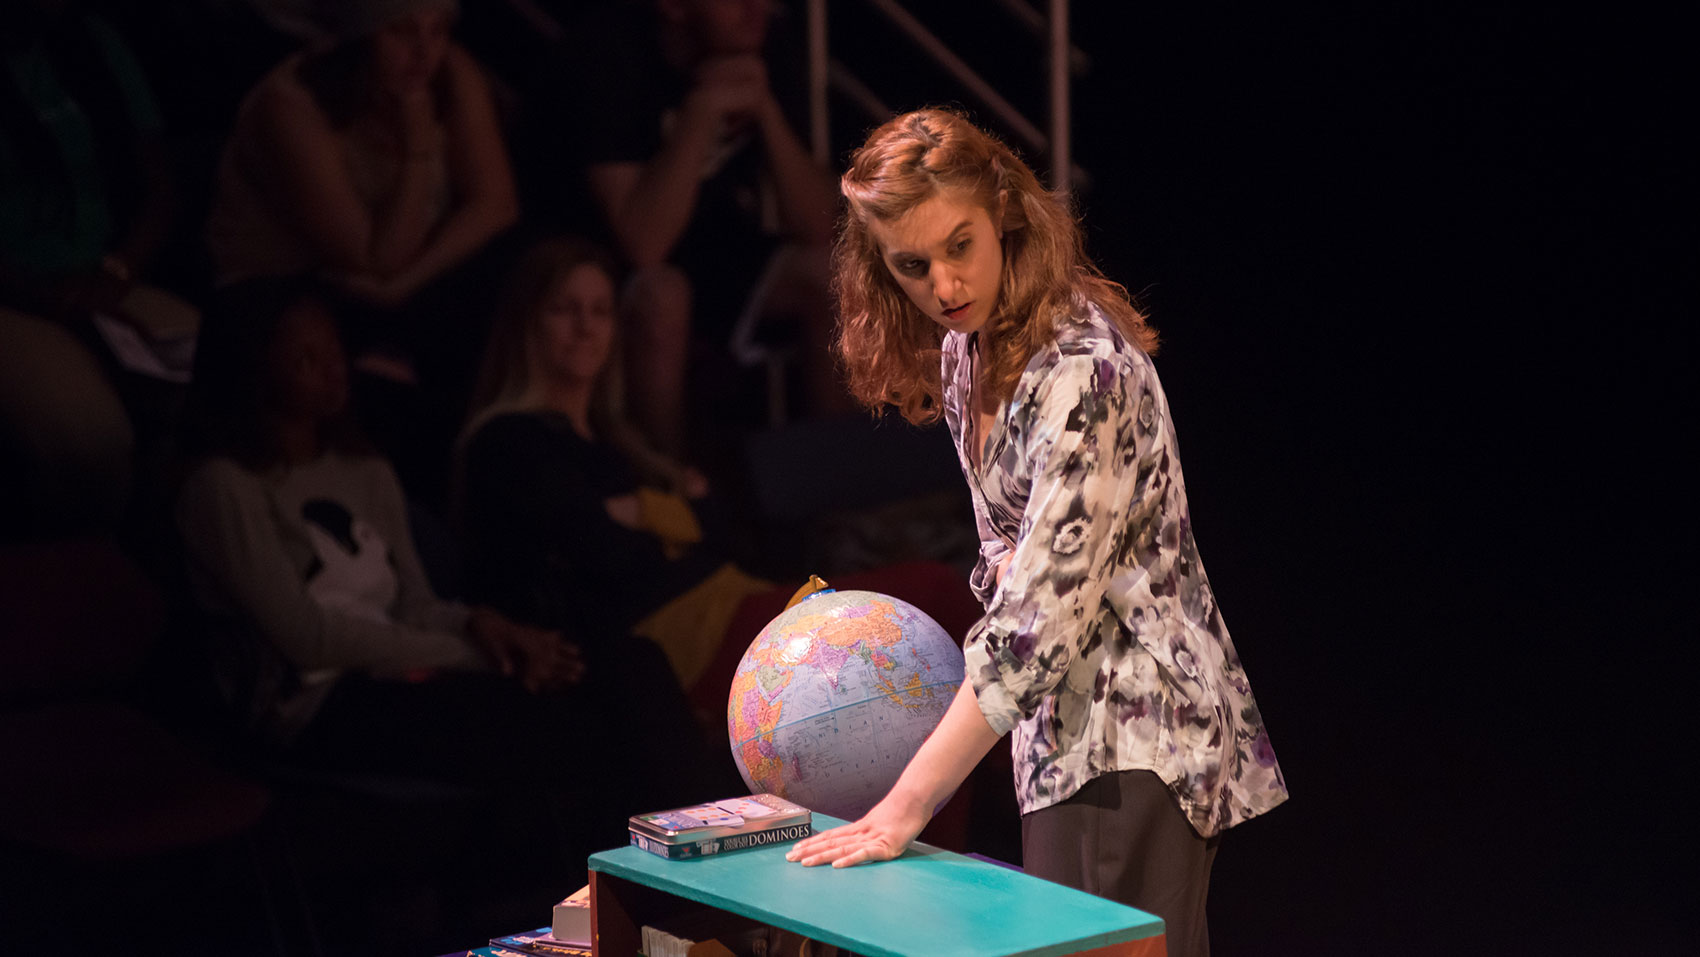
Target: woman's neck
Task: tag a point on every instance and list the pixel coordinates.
(296, 439)
(571, 399)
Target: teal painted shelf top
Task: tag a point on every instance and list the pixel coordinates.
(929, 901)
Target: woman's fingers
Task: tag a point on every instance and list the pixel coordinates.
(574, 671)
(567, 670)
(568, 660)
(506, 660)
(814, 845)
(850, 853)
(842, 847)
(859, 856)
(826, 855)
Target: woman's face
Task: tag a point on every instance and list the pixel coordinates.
(308, 370)
(575, 325)
(408, 50)
(946, 254)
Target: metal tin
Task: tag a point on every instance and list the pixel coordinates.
(717, 819)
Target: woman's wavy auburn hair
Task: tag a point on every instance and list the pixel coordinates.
(889, 348)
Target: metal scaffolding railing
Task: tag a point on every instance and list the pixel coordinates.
(1063, 59)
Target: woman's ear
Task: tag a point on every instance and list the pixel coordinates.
(999, 213)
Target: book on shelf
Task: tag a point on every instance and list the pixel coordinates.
(752, 938)
(728, 825)
(568, 936)
(660, 943)
(541, 943)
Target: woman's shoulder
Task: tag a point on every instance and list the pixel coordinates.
(280, 104)
(281, 84)
(216, 472)
(522, 422)
(519, 429)
(220, 485)
(462, 66)
(226, 472)
(1089, 330)
(365, 464)
(467, 80)
(1087, 344)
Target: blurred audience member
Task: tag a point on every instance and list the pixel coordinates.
(374, 159)
(568, 515)
(85, 201)
(708, 191)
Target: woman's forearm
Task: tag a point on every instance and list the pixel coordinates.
(650, 212)
(948, 755)
(808, 197)
(942, 763)
(462, 234)
(413, 245)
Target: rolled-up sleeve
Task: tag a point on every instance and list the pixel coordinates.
(1081, 443)
(983, 581)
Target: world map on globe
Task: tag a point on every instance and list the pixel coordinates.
(835, 695)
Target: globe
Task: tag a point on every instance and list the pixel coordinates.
(834, 697)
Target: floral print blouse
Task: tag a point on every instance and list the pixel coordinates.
(1102, 648)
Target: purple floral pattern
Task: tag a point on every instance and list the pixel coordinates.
(1102, 648)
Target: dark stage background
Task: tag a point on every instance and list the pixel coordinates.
(1415, 273)
(1414, 270)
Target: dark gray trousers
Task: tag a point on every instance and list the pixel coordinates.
(1123, 837)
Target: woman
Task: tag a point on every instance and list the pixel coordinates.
(964, 291)
(569, 518)
(377, 159)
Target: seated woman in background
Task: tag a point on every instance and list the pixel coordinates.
(566, 512)
(377, 160)
(568, 517)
